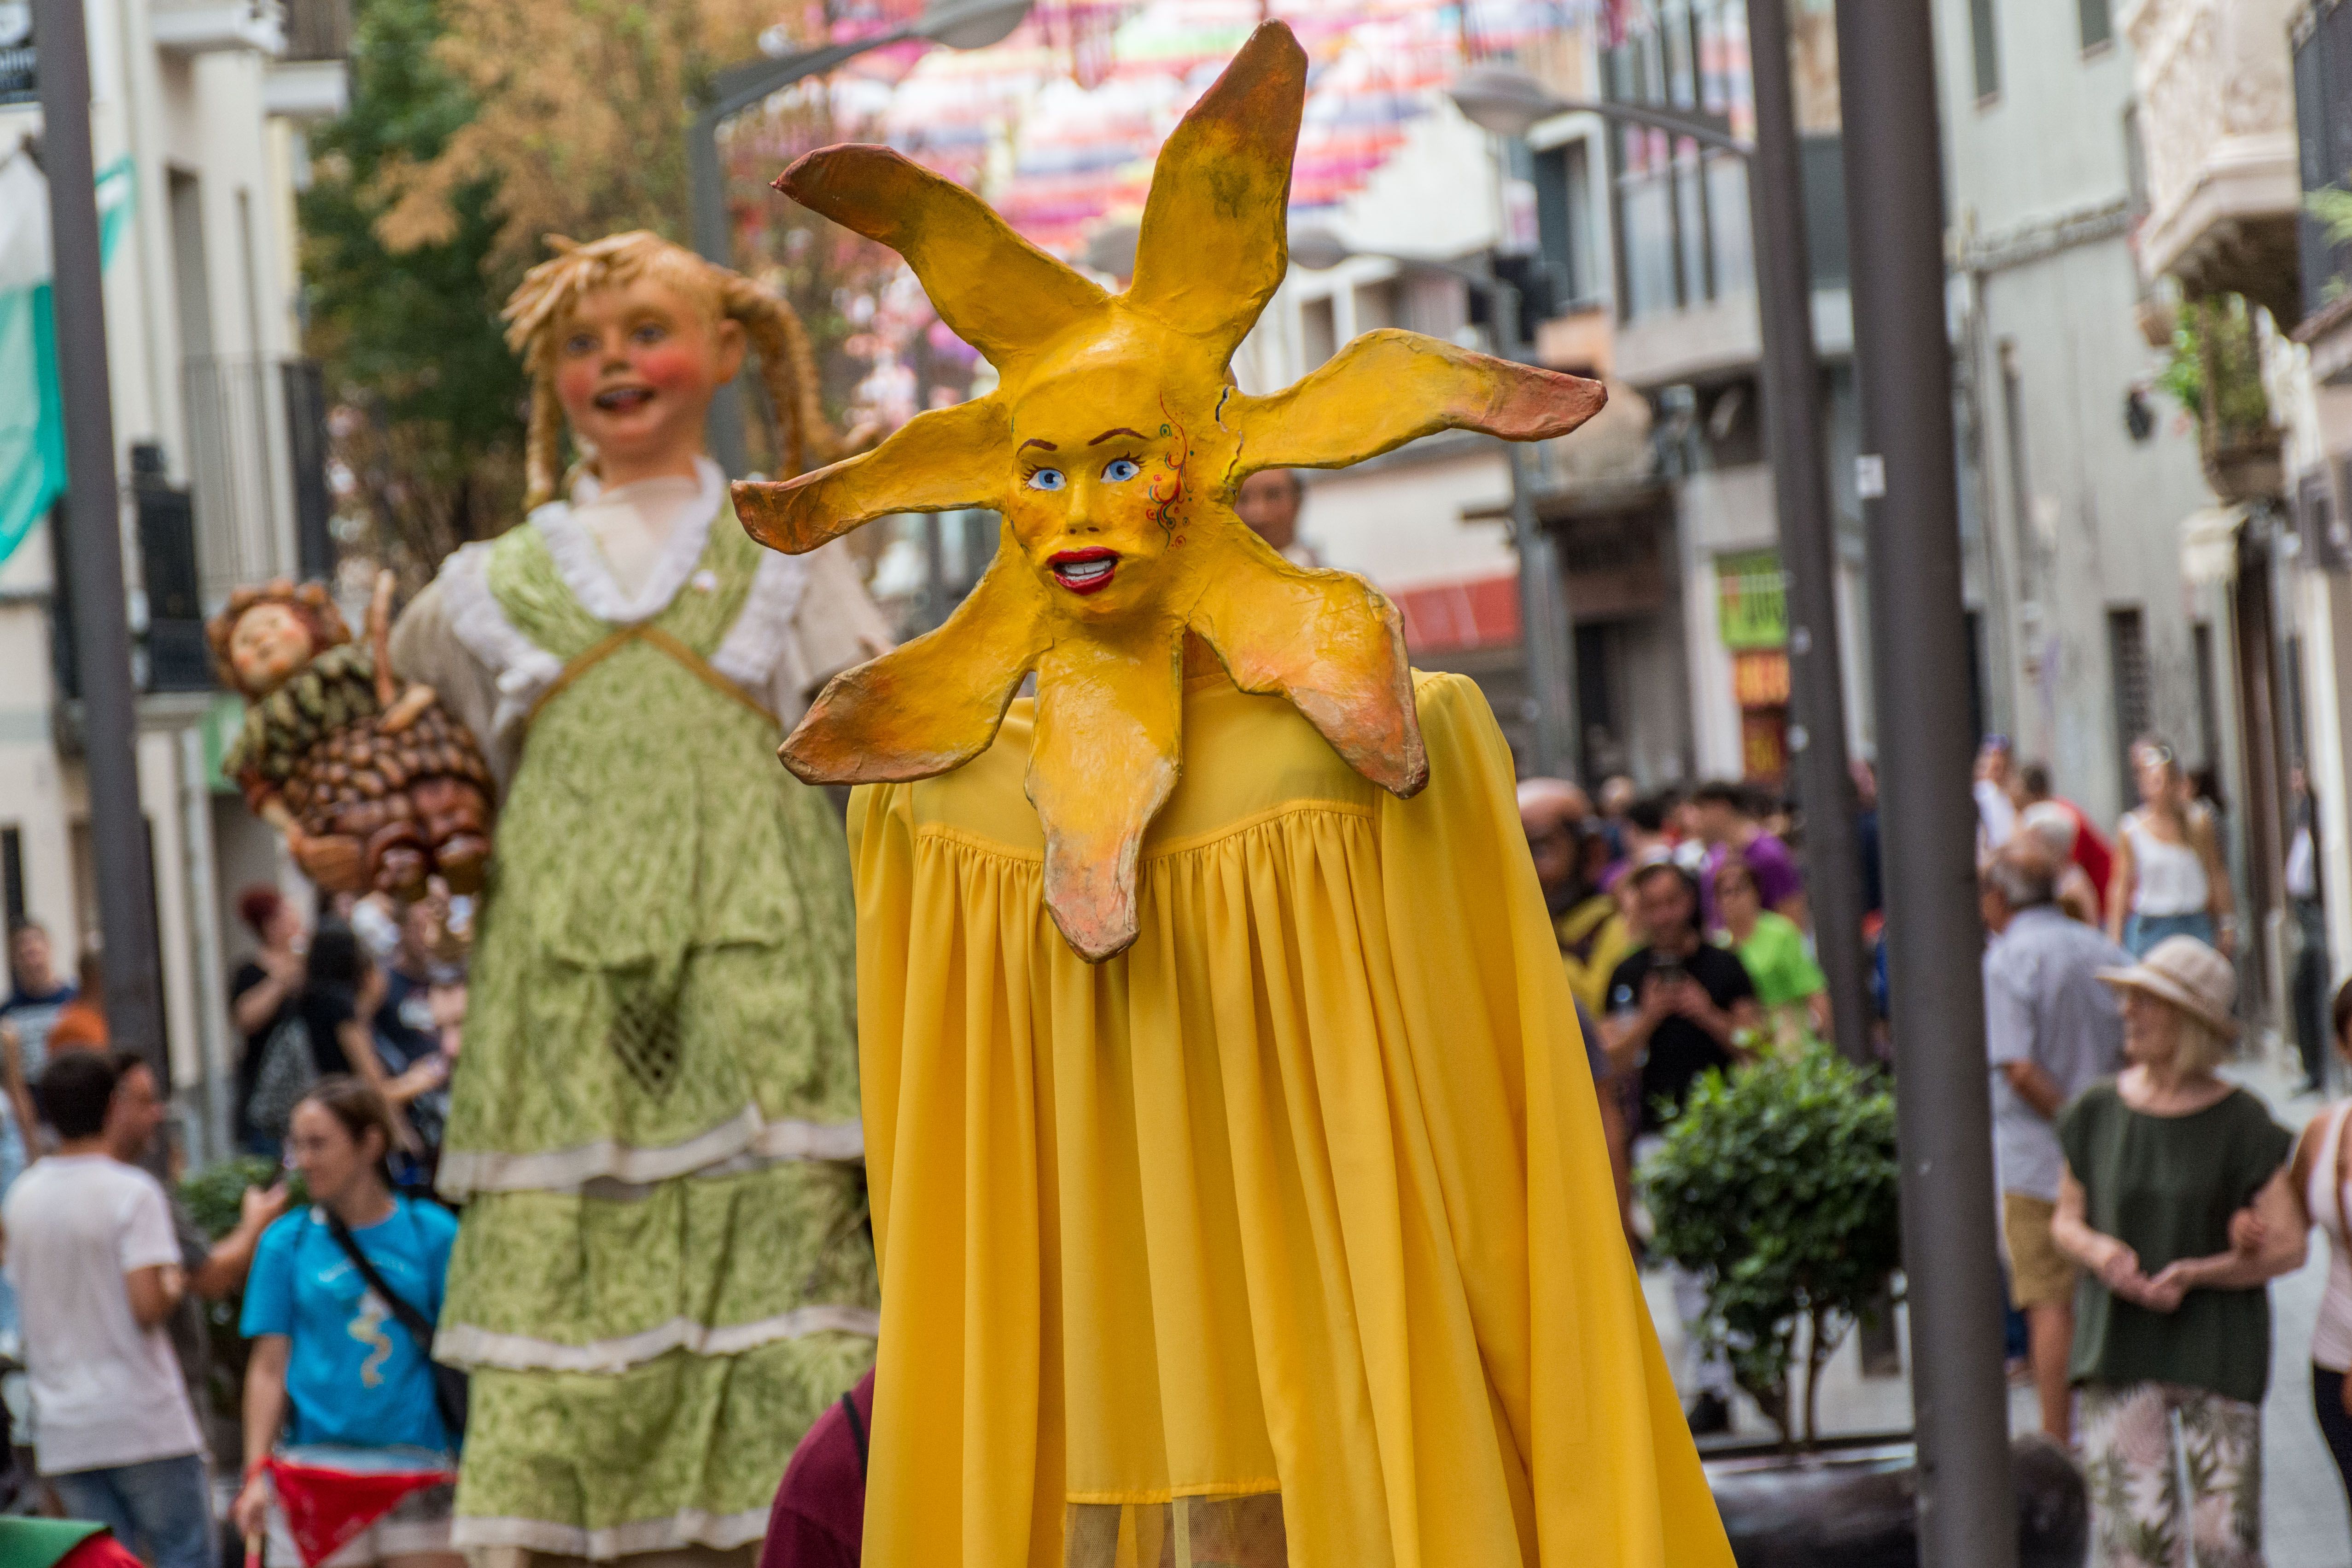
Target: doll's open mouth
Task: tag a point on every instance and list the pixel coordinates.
(1084, 570)
(620, 400)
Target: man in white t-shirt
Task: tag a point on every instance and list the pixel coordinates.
(96, 1268)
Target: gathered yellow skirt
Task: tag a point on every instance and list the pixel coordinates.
(1286, 1238)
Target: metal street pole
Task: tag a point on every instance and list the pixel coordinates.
(732, 91)
(93, 510)
(1547, 636)
(1792, 423)
(1910, 489)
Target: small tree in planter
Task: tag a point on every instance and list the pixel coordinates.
(1778, 1184)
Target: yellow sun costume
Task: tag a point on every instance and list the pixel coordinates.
(1238, 1183)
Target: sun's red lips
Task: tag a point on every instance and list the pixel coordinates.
(617, 398)
(1084, 570)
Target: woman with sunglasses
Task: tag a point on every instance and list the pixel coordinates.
(2169, 878)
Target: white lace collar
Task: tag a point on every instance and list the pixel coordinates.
(582, 564)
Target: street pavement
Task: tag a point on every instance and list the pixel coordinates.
(2303, 1514)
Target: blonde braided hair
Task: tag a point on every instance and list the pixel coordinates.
(551, 290)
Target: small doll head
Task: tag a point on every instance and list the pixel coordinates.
(628, 338)
(268, 633)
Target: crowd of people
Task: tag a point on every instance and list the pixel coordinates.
(347, 1031)
(2145, 1198)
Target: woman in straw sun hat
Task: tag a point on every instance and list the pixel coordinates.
(2176, 1201)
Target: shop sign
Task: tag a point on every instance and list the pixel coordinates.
(1752, 599)
(1760, 678)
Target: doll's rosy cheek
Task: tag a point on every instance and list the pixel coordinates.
(678, 363)
(575, 382)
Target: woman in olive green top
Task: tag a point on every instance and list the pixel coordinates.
(1772, 950)
(2177, 1204)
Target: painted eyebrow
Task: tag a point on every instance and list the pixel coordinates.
(1121, 430)
(1033, 441)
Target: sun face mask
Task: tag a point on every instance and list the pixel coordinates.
(1112, 446)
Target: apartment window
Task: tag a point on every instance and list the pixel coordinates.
(1974, 622)
(2098, 21)
(2209, 716)
(1563, 181)
(1318, 332)
(2128, 667)
(12, 874)
(1984, 39)
(1680, 210)
(1379, 305)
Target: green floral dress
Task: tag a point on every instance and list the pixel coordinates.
(664, 1272)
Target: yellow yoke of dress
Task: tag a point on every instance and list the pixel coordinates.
(1301, 1200)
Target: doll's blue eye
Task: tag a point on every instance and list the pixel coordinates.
(1046, 479)
(1121, 470)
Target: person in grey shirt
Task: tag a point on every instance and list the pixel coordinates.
(2052, 1030)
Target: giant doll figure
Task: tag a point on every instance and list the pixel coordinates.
(662, 1276)
(1238, 1181)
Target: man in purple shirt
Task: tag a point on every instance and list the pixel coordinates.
(1727, 822)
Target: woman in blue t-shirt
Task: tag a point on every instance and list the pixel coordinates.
(331, 1367)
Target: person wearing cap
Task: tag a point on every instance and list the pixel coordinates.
(1569, 853)
(2177, 1201)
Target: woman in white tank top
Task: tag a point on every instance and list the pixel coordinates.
(2323, 1160)
(2169, 878)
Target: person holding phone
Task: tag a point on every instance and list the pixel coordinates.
(1677, 1009)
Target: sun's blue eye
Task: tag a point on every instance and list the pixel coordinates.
(1121, 470)
(1046, 479)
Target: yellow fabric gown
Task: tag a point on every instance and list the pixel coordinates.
(1289, 1231)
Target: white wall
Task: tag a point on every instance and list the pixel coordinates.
(1400, 524)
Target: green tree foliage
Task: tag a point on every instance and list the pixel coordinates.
(2215, 371)
(428, 402)
(1778, 1184)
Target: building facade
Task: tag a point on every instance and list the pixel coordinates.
(197, 112)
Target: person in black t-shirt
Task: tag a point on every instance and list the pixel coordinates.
(262, 989)
(418, 994)
(337, 1004)
(1678, 1006)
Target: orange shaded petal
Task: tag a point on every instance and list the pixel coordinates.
(1103, 761)
(1389, 387)
(930, 704)
(994, 290)
(1214, 240)
(937, 461)
(1330, 641)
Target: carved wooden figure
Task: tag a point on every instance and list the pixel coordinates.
(374, 785)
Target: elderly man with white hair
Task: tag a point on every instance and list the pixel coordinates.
(2052, 1030)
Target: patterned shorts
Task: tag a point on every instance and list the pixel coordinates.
(2146, 1446)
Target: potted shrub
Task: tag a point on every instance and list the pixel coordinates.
(1779, 1183)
